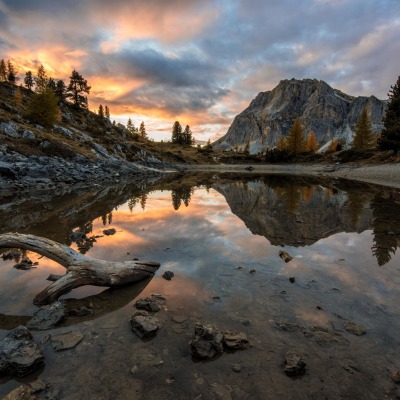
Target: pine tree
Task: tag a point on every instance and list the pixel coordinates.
(11, 73)
(51, 83)
(295, 140)
(60, 90)
(43, 108)
(363, 137)
(247, 148)
(312, 144)
(41, 80)
(177, 136)
(142, 131)
(390, 136)
(3, 71)
(107, 112)
(28, 80)
(131, 128)
(187, 136)
(208, 146)
(101, 111)
(76, 89)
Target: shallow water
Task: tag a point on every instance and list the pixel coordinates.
(342, 237)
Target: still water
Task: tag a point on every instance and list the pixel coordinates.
(221, 237)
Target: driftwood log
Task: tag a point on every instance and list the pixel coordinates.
(81, 270)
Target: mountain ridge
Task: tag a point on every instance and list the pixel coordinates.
(329, 112)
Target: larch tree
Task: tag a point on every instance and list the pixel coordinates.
(76, 89)
(390, 136)
(43, 108)
(142, 131)
(107, 112)
(11, 73)
(312, 144)
(101, 111)
(3, 71)
(41, 79)
(187, 136)
(363, 138)
(282, 144)
(177, 136)
(28, 80)
(295, 140)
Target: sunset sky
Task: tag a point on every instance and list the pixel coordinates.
(202, 61)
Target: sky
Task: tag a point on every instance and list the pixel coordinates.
(201, 62)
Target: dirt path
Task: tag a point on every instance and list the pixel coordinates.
(384, 174)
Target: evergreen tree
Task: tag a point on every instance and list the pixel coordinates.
(76, 89)
(208, 146)
(43, 108)
(11, 73)
(312, 144)
(177, 136)
(107, 112)
(28, 80)
(41, 80)
(131, 128)
(60, 90)
(101, 111)
(142, 131)
(187, 136)
(295, 140)
(3, 71)
(363, 138)
(18, 97)
(247, 148)
(390, 136)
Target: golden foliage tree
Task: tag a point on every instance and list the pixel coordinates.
(282, 144)
(363, 138)
(295, 140)
(312, 144)
(43, 108)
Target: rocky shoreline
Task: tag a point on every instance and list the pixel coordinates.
(382, 174)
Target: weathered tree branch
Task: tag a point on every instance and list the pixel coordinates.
(82, 270)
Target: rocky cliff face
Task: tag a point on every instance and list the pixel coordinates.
(330, 113)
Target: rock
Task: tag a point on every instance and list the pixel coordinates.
(249, 168)
(19, 354)
(354, 328)
(144, 325)
(168, 275)
(207, 342)
(395, 375)
(109, 232)
(294, 365)
(292, 279)
(236, 368)
(235, 340)
(48, 316)
(328, 338)
(329, 112)
(67, 340)
(179, 319)
(23, 392)
(148, 304)
(285, 256)
(80, 312)
(134, 369)
(54, 277)
(38, 386)
(289, 327)
(25, 264)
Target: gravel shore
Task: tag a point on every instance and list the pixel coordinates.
(382, 174)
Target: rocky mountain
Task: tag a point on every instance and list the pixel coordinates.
(330, 113)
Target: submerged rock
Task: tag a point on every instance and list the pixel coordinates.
(168, 275)
(65, 341)
(294, 365)
(144, 325)
(109, 232)
(148, 304)
(328, 338)
(207, 342)
(48, 316)
(285, 256)
(19, 354)
(235, 340)
(355, 329)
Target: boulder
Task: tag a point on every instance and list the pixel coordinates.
(67, 340)
(207, 342)
(144, 325)
(235, 340)
(148, 304)
(294, 365)
(355, 329)
(19, 354)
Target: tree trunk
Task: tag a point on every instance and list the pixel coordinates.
(81, 270)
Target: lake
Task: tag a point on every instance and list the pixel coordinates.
(220, 235)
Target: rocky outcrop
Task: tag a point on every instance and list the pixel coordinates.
(330, 113)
